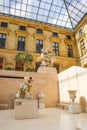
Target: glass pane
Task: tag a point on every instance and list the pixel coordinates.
(53, 8)
(23, 6)
(12, 4)
(45, 13)
(36, 3)
(47, 6)
(24, 1)
(42, 5)
(4, 36)
(23, 39)
(6, 2)
(23, 13)
(40, 11)
(1, 2)
(33, 16)
(51, 14)
(18, 6)
(6, 10)
(34, 10)
(12, 11)
(17, 12)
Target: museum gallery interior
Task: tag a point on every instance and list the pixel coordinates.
(43, 64)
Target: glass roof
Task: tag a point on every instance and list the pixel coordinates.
(62, 13)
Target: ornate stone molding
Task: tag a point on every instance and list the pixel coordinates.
(5, 30)
(69, 42)
(39, 36)
(22, 33)
(55, 39)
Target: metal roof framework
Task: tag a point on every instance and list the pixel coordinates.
(62, 13)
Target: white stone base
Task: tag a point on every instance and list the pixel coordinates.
(41, 103)
(74, 108)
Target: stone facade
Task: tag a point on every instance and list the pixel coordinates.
(81, 41)
(13, 32)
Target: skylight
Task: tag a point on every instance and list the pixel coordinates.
(62, 13)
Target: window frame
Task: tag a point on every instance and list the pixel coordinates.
(21, 43)
(4, 24)
(70, 51)
(39, 31)
(68, 37)
(39, 45)
(56, 48)
(2, 40)
(22, 28)
(54, 34)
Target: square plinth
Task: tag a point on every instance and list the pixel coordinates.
(25, 108)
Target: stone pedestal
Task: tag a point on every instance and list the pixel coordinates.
(25, 108)
(41, 103)
(74, 108)
(41, 97)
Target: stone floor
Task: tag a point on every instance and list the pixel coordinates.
(49, 119)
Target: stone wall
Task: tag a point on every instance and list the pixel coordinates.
(11, 80)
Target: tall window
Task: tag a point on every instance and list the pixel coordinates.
(39, 45)
(70, 51)
(56, 48)
(2, 40)
(82, 47)
(21, 43)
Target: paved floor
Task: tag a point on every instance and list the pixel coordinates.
(49, 119)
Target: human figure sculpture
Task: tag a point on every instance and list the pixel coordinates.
(24, 89)
(47, 58)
